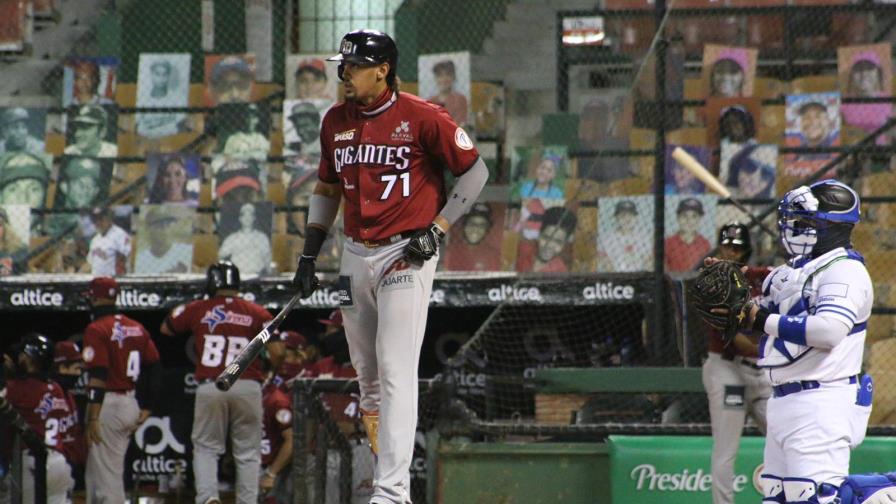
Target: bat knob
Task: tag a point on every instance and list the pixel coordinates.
(222, 383)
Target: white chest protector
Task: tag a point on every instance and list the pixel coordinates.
(800, 290)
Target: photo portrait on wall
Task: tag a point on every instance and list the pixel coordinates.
(444, 79)
(245, 233)
(812, 120)
(728, 71)
(229, 78)
(866, 71)
(163, 80)
(89, 80)
(311, 77)
(173, 179)
(625, 234)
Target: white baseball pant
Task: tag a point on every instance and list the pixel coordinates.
(104, 474)
(385, 319)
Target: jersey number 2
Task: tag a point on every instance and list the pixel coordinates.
(390, 184)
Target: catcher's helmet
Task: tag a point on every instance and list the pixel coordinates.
(39, 349)
(738, 235)
(222, 275)
(806, 214)
(367, 47)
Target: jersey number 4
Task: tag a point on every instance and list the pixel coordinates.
(220, 350)
(390, 180)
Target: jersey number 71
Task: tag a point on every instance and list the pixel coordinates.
(390, 180)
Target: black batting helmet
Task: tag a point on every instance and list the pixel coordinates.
(737, 235)
(39, 349)
(222, 275)
(367, 47)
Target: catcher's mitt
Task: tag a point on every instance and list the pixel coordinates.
(721, 295)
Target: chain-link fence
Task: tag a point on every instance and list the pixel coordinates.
(190, 133)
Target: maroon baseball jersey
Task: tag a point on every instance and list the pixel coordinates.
(389, 158)
(277, 418)
(74, 445)
(44, 408)
(121, 345)
(342, 407)
(222, 327)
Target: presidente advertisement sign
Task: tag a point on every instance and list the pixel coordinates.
(676, 469)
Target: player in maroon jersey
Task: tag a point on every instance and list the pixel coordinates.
(123, 365)
(223, 325)
(276, 447)
(68, 368)
(296, 360)
(383, 152)
(735, 386)
(43, 405)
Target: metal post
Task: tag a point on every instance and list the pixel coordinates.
(658, 331)
(40, 476)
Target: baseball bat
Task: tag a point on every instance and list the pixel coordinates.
(698, 170)
(233, 371)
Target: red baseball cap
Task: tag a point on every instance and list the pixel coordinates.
(316, 64)
(103, 288)
(65, 352)
(335, 318)
(293, 340)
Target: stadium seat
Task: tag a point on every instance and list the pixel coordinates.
(276, 139)
(46, 261)
(687, 136)
(814, 84)
(126, 94)
(584, 249)
(55, 143)
(130, 144)
(284, 250)
(766, 87)
(124, 175)
(276, 193)
(693, 89)
(205, 194)
(205, 251)
(772, 122)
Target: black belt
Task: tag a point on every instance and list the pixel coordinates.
(385, 241)
(799, 386)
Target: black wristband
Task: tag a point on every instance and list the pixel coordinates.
(314, 241)
(95, 395)
(759, 321)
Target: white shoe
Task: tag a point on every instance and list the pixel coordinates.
(882, 496)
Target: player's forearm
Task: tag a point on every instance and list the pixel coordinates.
(323, 207)
(465, 192)
(816, 331)
(284, 455)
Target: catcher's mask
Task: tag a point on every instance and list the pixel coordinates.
(822, 212)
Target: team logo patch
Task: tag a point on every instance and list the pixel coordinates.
(402, 132)
(284, 416)
(122, 332)
(344, 288)
(217, 315)
(344, 136)
(88, 354)
(462, 139)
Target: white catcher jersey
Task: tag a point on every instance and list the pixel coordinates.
(835, 285)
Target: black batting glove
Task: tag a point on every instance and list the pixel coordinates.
(424, 245)
(305, 280)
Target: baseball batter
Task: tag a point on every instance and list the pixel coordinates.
(735, 386)
(123, 365)
(43, 405)
(223, 325)
(383, 152)
(814, 312)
